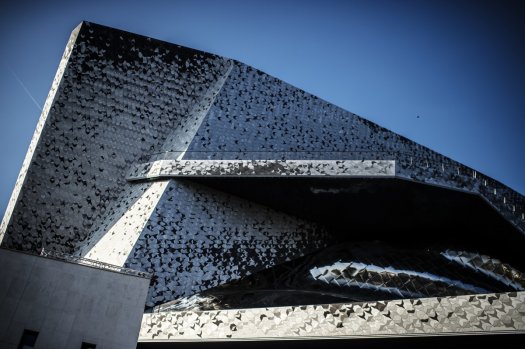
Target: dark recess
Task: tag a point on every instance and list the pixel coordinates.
(391, 210)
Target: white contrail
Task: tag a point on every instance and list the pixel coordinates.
(25, 89)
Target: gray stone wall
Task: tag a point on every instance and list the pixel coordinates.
(68, 303)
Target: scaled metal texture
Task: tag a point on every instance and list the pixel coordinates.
(494, 313)
(131, 122)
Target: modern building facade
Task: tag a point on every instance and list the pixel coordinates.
(259, 210)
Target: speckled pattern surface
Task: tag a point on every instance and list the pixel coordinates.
(119, 97)
(262, 168)
(197, 238)
(122, 103)
(489, 313)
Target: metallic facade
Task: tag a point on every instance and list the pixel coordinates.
(131, 122)
(491, 313)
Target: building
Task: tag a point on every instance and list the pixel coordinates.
(259, 211)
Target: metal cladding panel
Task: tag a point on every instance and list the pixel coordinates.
(263, 168)
(119, 97)
(477, 314)
(198, 238)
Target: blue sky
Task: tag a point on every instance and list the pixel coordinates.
(457, 64)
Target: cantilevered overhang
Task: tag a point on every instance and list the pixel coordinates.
(262, 168)
(450, 175)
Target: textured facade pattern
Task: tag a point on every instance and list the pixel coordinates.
(114, 240)
(489, 313)
(258, 116)
(198, 238)
(119, 97)
(122, 99)
(491, 267)
(358, 272)
(263, 168)
(36, 135)
(110, 175)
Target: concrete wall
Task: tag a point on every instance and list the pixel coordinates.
(68, 303)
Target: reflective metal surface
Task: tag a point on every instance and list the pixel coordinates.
(470, 314)
(369, 271)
